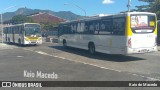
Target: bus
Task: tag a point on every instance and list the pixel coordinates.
(158, 36)
(124, 33)
(23, 34)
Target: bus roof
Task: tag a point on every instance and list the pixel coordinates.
(20, 24)
(141, 13)
(108, 16)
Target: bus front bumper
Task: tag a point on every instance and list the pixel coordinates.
(33, 42)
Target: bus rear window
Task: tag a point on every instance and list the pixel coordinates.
(143, 23)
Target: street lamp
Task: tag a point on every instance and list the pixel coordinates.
(2, 20)
(77, 7)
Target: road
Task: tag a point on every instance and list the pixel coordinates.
(73, 64)
(146, 65)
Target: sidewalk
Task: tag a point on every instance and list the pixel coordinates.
(6, 46)
(3, 45)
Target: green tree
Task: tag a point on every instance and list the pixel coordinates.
(48, 27)
(152, 6)
(21, 19)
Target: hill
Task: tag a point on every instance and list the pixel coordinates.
(26, 11)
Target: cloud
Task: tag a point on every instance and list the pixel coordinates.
(107, 2)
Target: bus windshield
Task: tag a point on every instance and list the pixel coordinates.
(143, 23)
(29, 31)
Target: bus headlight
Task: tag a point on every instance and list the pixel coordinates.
(39, 39)
(26, 39)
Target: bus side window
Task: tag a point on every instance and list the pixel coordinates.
(19, 30)
(65, 29)
(12, 30)
(119, 26)
(88, 28)
(105, 27)
(4, 30)
(22, 30)
(73, 28)
(7, 30)
(16, 30)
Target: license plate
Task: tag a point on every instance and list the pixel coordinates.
(33, 42)
(144, 50)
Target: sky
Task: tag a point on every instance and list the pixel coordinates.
(91, 7)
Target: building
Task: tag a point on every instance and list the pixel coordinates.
(46, 18)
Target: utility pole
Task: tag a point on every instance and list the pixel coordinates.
(129, 5)
(2, 27)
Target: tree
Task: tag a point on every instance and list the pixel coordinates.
(21, 19)
(48, 27)
(152, 6)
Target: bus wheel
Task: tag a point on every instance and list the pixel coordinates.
(64, 43)
(92, 49)
(35, 45)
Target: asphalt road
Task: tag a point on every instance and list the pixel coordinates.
(75, 65)
(145, 65)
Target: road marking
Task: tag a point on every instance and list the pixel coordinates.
(61, 57)
(148, 78)
(56, 56)
(20, 56)
(40, 52)
(28, 49)
(43, 53)
(100, 66)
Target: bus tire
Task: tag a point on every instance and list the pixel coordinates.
(64, 43)
(91, 48)
(35, 44)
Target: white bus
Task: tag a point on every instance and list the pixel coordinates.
(158, 36)
(23, 34)
(124, 33)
